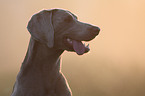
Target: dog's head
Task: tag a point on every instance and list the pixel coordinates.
(60, 29)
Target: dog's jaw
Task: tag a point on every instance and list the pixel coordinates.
(76, 46)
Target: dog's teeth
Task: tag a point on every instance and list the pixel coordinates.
(87, 46)
(69, 40)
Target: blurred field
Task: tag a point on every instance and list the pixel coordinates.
(115, 65)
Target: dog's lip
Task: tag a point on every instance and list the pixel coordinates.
(70, 44)
(86, 38)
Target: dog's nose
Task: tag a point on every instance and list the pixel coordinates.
(94, 30)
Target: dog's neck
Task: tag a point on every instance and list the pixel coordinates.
(39, 65)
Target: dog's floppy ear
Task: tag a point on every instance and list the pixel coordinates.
(40, 27)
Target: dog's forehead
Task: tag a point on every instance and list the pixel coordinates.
(65, 13)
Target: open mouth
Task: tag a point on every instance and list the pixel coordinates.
(76, 46)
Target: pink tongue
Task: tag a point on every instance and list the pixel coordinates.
(78, 47)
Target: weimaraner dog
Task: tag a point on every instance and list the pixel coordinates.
(52, 32)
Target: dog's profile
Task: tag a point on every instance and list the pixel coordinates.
(52, 32)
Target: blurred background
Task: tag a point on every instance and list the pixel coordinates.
(115, 66)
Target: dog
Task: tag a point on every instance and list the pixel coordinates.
(52, 31)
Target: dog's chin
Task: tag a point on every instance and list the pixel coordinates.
(75, 46)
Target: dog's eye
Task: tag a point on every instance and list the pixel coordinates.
(68, 19)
